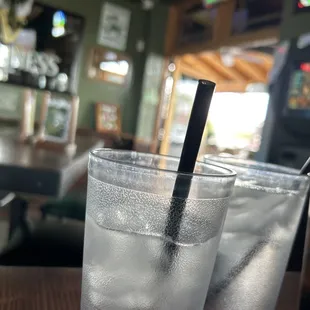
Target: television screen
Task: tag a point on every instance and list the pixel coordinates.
(302, 6)
(299, 89)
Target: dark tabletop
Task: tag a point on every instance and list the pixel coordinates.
(28, 169)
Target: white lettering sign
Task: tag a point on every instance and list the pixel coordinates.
(36, 63)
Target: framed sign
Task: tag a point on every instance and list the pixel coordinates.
(108, 118)
(58, 119)
(108, 66)
(44, 52)
(114, 26)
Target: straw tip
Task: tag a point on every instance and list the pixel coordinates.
(207, 82)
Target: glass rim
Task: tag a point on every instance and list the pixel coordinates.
(289, 173)
(227, 172)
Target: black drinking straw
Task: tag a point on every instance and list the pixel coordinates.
(305, 168)
(187, 162)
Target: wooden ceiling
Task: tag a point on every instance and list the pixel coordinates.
(245, 68)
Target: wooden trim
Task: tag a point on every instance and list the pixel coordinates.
(172, 29)
(74, 119)
(155, 141)
(164, 147)
(43, 114)
(98, 119)
(28, 114)
(70, 140)
(223, 21)
(89, 66)
(263, 37)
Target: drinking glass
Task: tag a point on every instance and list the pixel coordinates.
(130, 261)
(259, 231)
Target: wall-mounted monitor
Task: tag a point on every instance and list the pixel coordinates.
(302, 6)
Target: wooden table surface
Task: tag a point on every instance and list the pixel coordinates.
(40, 288)
(36, 288)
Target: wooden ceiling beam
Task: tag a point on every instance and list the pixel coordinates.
(235, 87)
(191, 72)
(199, 65)
(252, 71)
(265, 59)
(221, 86)
(215, 61)
(263, 37)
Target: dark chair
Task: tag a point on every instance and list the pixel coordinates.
(49, 242)
(69, 207)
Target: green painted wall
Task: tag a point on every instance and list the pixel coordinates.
(152, 78)
(91, 91)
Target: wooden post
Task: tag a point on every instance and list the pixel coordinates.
(223, 21)
(28, 115)
(164, 148)
(43, 114)
(154, 144)
(74, 119)
(172, 29)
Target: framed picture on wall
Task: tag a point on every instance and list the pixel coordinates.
(114, 26)
(58, 119)
(109, 66)
(108, 118)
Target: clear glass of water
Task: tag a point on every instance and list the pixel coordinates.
(258, 233)
(129, 260)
